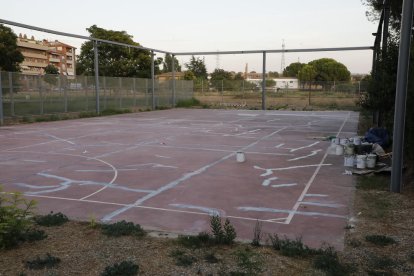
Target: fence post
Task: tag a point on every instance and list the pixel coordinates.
(146, 93)
(65, 94)
(96, 64)
(264, 82)
(173, 81)
(153, 79)
(41, 94)
(104, 87)
(120, 92)
(1, 103)
(202, 86)
(134, 92)
(86, 92)
(11, 94)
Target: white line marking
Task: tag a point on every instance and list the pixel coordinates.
(34, 161)
(247, 114)
(329, 205)
(270, 171)
(266, 182)
(145, 207)
(314, 152)
(284, 185)
(304, 147)
(60, 139)
(316, 195)
(210, 211)
(305, 191)
(160, 156)
(280, 145)
(290, 212)
(276, 219)
(183, 178)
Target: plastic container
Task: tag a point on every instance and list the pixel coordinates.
(349, 160)
(240, 157)
(357, 141)
(339, 150)
(371, 161)
(349, 149)
(361, 161)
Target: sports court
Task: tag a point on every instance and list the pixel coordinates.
(170, 170)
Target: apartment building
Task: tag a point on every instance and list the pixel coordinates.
(39, 54)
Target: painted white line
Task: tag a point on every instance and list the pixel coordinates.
(280, 145)
(247, 114)
(290, 212)
(60, 139)
(314, 152)
(316, 195)
(207, 210)
(284, 185)
(329, 205)
(270, 171)
(304, 147)
(276, 219)
(34, 161)
(266, 182)
(143, 207)
(305, 190)
(161, 156)
(183, 178)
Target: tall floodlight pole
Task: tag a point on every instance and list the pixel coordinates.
(264, 82)
(401, 95)
(153, 79)
(95, 50)
(385, 31)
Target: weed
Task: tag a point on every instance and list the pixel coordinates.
(113, 111)
(125, 268)
(92, 222)
(15, 219)
(290, 248)
(378, 273)
(122, 228)
(381, 262)
(328, 262)
(34, 235)
(257, 234)
(222, 234)
(188, 103)
(43, 262)
(202, 239)
(354, 243)
(380, 240)
(87, 114)
(248, 261)
(162, 107)
(51, 219)
(53, 117)
(377, 205)
(182, 259)
(211, 258)
(372, 182)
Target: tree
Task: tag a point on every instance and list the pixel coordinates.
(273, 74)
(198, 67)
(10, 56)
(239, 76)
(269, 83)
(307, 74)
(328, 69)
(292, 70)
(220, 74)
(189, 75)
(167, 64)
(51, 70)
(115, 61)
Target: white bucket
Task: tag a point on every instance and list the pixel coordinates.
(339, 150)
(361, 161)
(336, 141)
(344, 141)
(371, 161)
(240, 157)
(357, 141)
(348, 160)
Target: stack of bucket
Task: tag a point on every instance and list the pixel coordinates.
(356, 154)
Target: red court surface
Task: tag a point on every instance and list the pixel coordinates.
(170, 170)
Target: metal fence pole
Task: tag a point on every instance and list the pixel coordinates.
(401, 95)
(41, 95)
(65, 94)
(134, 92)
(264, 82)
(1, 103)
(11, 94)
(146, 93)
(173, 81)
(104, 87)
(86, 93)
(153, 79)
(96, 64)
(120, 91)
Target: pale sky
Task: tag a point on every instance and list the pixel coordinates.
(184, 25)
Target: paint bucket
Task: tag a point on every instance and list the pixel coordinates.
(371, 161)
(357, 141)
(361, 161)
(339, 150)
(343, 141)
(349, 149)
(240, 157)
(348, 160)
(336, 141)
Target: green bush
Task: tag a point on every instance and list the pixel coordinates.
(328, 262)
(34, 235)
(188, 103)
(51, 219)
(125, 268)
(16, 215)
(248, 261)
(182, 259)
(43, 262)
(290, 248)
(122, 228)
(380, 240)
(202, 239)
(87, 114)
(113, 111)
(222, 234)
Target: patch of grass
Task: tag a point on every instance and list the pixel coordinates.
(122, 228)
(188, 103)
(47, 261)
(181, 258)
(34, 235)
(51, 219)
(113, 111)
(161, 107)
(211, 258)
(377, 205)
(381, 262)
(373, 182)
(378, 273)
(125, 268)
(257, 234)
(249, 261)
(290, 248)
(202, 239)
(354, 243)
(87, 114)
(27, 119)
(380, 240)
(328, 261)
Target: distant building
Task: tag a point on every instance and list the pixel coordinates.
(39, 54)
(287, 83)
(168, 76)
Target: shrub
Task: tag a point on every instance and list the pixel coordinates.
(222, 234)
(87, 114)
(202, 239)
(380, 240)
(113, 111)
(51, 219)
(211, 258)
(188, 103)
(125, 268)
(257, 234)
(182, 259)
(291, 248)
(328, 262)
(34, 235)
(122, 228)
(248, 261)
(43, 262)
(16, 215)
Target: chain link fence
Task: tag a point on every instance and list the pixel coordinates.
(26, 95)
